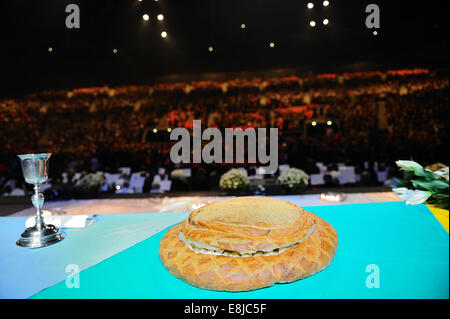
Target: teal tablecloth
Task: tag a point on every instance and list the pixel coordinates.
(408, 246)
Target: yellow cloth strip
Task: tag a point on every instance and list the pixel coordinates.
(440, 214)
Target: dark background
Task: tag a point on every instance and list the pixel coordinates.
(412, 34)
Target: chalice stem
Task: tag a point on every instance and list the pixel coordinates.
(38, 201)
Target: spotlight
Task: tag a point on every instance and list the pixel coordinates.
(325, 21)
(325, 3)
(243, 26)
(313, 123)
(160, 17)
(210, 49)
(169, 130)
(114, 51)
(118, 187)
(164, 34)
(50, 49)
(329, 122)
(310, 5)
(155, 130)
(271, 44)
(375, 32)
(312, 23)
(146, 17)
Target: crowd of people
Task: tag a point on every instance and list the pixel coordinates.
(357, 117)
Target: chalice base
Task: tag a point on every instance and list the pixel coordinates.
(33, 237)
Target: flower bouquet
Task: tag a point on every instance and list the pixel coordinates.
(234, 181)
(89, 185)
(293, 179)
(423, 185)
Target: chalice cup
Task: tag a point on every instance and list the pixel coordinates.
(35, 172)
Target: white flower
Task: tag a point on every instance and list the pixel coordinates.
(293, 177)
(91, 181)
(443, 172)
(412, 197)
(409, 166)
(233, 179)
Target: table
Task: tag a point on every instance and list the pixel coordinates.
(118, 258)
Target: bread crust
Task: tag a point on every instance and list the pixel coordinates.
(227, 273)
(246, 237)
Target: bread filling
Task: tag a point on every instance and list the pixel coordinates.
(203, 248)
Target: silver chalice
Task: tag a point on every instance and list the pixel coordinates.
(35, 172)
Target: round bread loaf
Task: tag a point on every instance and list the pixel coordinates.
(246, 243)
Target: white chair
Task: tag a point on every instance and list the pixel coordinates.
(164, 186)
(125, 170)
(187, 172)
(45, 186)
(321, 167)
(137, 182)
(156, 179)
(382, 176)
(317, 179)
(347, 175)
(262, 170)
(112, 178)
(17, 192)
(283, 167)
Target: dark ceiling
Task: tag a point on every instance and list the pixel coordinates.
(412, 34)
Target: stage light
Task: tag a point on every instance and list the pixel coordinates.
(146, 17)
(210, 49)
(118, 187)
(325, 3)
(313, 123)
(114, 51)
(164, 34)
(160, 17)
(169, 130)
(329, 122)
(271, 44)
(243, 26)
(312, 23)
(375, 32)
(325, 21)
(50, 49)
(310, 5)
(155, 130)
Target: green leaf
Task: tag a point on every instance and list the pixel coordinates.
(420, 171)
(430, 185)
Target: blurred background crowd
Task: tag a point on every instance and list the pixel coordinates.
(362, 120)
